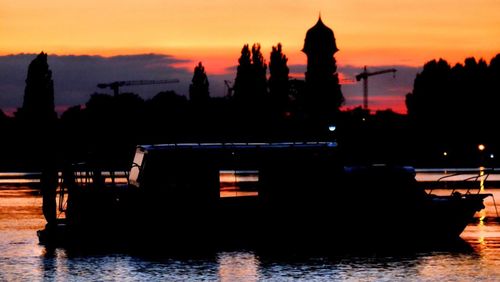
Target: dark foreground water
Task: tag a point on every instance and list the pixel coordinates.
(22, 259)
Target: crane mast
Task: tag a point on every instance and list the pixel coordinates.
(115, 86)
(364, 76)
(230, 88)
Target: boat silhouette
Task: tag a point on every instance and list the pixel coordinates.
(261, 194)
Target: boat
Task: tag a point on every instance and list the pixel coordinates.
(264, 194)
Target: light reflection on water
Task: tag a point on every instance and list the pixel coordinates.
(21, 258)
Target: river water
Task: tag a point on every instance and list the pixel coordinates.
(23, 259)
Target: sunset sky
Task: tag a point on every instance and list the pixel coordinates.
(378, 34)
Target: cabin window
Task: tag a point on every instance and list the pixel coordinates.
(136, 168)
(239, 183)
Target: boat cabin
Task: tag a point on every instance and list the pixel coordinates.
(224, 170)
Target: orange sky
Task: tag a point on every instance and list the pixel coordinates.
(380, 32)
(375, 33)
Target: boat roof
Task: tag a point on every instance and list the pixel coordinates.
(239, 145)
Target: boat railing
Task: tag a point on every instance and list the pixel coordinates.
(480, 177)
(96, 177)
(242, 145)
(83, 176)
(470, 182)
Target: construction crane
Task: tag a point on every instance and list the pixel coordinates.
(364, 76)
(115, 86)
(230, 88)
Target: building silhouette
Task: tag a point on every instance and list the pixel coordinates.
(324, 96)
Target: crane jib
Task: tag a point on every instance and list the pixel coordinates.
(364, 76)
(117, 84)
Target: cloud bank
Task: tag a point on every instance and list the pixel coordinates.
(76, 78)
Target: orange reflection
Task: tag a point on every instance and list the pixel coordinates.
(238, 267)
(238, 183)
(481, 238)
(481, 179)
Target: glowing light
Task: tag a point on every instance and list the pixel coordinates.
(482, 238)
(492, 156)
(481, 182)
(332, 128)
(481, 147)
(445, 154)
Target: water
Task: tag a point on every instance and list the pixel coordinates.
(22, 259)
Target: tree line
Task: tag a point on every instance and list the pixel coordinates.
(259, 109)
(451, 109)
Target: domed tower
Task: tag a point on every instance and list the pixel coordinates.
(323, 88)
(320, 46)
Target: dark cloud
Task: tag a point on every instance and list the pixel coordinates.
(76, 77)
(13, 70)
(297, 71)
(231, 69)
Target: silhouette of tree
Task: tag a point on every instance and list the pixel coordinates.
(129, 108)
(113, 127)
(450, 97)
(199, 88)
(99, 107)
(71, 114)
(429, 109)
(495, 65)
(38, 103)
(243, 81)
(449, 103)
(3, 116)
(168, 102)
(469, 84)
(494, 103)
(37, 119)
(278, 79)
(250, 84)
(5, 142)
(259, 69)
(428, 100)
(167, 116)
(121, 111)
(494, 90)
(38, 126)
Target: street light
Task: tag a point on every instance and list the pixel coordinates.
(481, 149)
